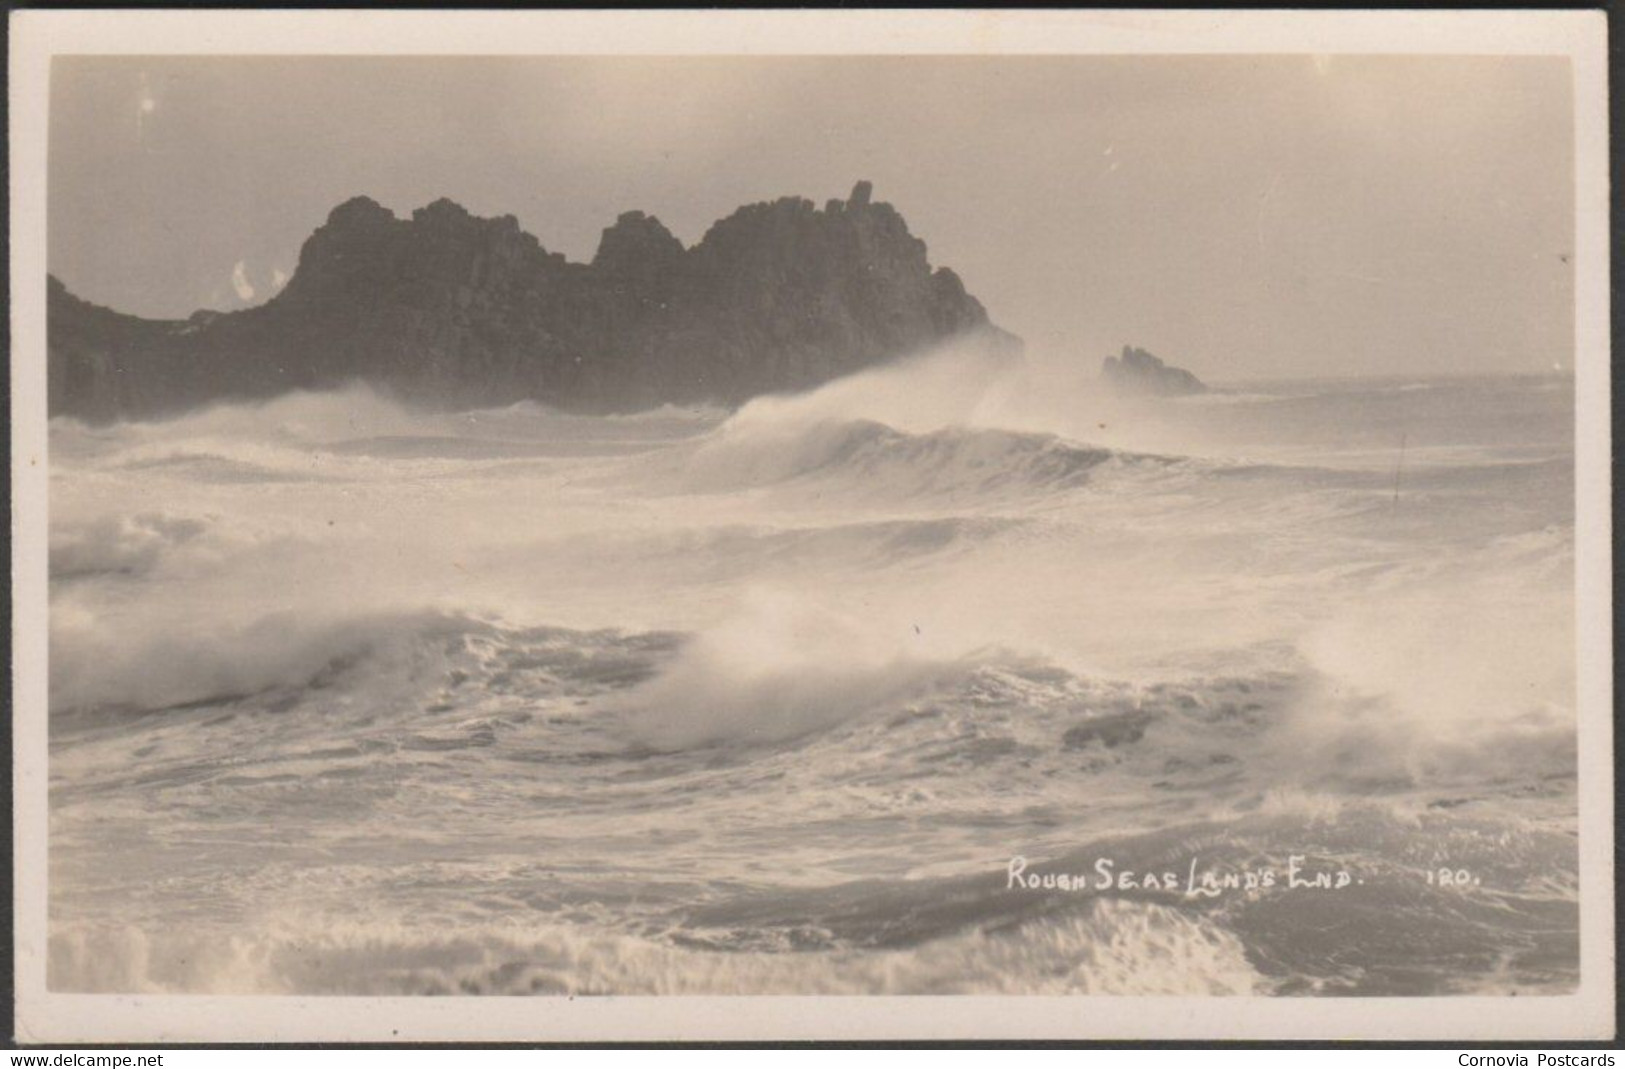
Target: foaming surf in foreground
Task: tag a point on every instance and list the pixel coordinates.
(943, 678)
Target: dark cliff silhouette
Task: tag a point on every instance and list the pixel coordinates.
(459, 311)
(1138, 373)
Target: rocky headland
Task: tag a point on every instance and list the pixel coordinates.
(454, 310)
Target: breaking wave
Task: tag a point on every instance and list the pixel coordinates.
(1110, 948)
(873, 461)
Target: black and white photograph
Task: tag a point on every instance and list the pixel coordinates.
(868, 521)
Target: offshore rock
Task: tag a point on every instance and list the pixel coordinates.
(1138, 373)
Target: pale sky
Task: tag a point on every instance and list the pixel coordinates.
(1240, 216)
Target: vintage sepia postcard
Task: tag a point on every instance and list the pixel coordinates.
(811, 525)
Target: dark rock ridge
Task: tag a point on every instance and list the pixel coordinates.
(1138, 373)
(458, 311)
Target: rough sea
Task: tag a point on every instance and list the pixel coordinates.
(950, 677)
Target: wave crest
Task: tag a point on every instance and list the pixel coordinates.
(865, 459)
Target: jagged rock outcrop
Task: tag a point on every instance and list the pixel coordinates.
(458, 311)
(1138, 373)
